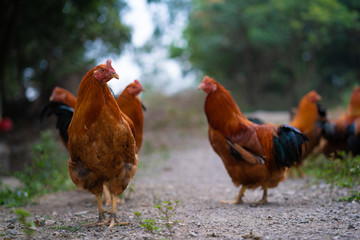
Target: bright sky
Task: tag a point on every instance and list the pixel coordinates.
(170, 78)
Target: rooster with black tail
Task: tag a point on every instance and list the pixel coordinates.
(254, 155)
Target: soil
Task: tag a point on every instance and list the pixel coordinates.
(188, 170)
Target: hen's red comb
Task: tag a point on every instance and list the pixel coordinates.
(108, 64)
(206, 78)
(136, 82)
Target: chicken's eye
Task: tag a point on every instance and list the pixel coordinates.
(102, 70)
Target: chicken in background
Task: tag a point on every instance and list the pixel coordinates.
(130, 104)
(353, 140)
(101, 143)
(340, 133)
(254, 155)
(62, 104)
(309, 118)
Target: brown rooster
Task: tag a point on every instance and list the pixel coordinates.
(254, 155)
(101, 143)
(337, 132)
(309, 118)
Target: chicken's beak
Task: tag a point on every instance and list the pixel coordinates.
(115, 75)
(143, 90)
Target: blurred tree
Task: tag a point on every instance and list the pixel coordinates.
(270, 52)
(42, 42)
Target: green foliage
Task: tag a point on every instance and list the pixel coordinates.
(274, 47)
(167, 210)
(343, 172)
(57, 38)
(28, 226)
(69, 228)
(47, 173)
(148, 224)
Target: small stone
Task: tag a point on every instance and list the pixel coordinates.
(81, 213)
(49, 222)
(193, 234)
(12, 232)
(11, 226)
(351, 226)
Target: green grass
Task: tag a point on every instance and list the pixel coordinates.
(67, 227)
(343, 171)
(28, 226)
(47, 173)
(163, 221)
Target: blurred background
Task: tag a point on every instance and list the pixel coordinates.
(268, 53)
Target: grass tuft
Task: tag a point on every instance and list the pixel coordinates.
(47, 173)
(342, 171)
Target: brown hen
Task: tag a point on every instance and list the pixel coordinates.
(101, 143)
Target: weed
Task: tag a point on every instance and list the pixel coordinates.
(68, 228)
(343, 171)
(47, 173)
(148, 224)
(167, 211)
(28, 226)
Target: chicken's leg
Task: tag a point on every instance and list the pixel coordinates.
(264, 198)
(238, 199)
(107, 197)
(101, 211)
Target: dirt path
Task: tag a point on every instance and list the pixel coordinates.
(192, 173)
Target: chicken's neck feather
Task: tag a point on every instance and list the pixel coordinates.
(70, 100)
(93, 95)
(222, 112)
(306, 115)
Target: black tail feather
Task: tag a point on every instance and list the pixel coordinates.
(256, 120)
(64, 115)
(288, 146)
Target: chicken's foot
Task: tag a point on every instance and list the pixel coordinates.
(102, 212)
(112, 220)
(238, 199)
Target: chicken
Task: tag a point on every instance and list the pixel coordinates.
(62, 104)
(308, 118)
(130, 104)
(101, 143)
(254, 155)
(353, 140)
(337, 132)
(64, 96)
